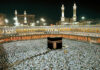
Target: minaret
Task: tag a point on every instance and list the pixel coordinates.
(25, 18)
(15, 13)
(16, 19)
(62, 17)
(74, 13)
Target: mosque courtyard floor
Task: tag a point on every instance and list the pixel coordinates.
(34, 55)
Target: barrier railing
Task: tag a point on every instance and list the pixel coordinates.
(31, 37)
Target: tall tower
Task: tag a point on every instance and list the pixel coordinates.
(16, 19)
(15, 13)
(62, 17)
(74, 12)
(25, 18)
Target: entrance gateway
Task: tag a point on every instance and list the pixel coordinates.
(54, 42)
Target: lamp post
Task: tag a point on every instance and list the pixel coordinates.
(6, 21)
(44, 24)
(83, 18)
(43, 21)
(37, 22)
(33, 24)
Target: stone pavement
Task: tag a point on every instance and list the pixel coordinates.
(34, 55)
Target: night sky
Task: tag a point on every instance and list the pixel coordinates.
(51, 9)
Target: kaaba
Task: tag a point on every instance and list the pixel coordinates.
(55, 43)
